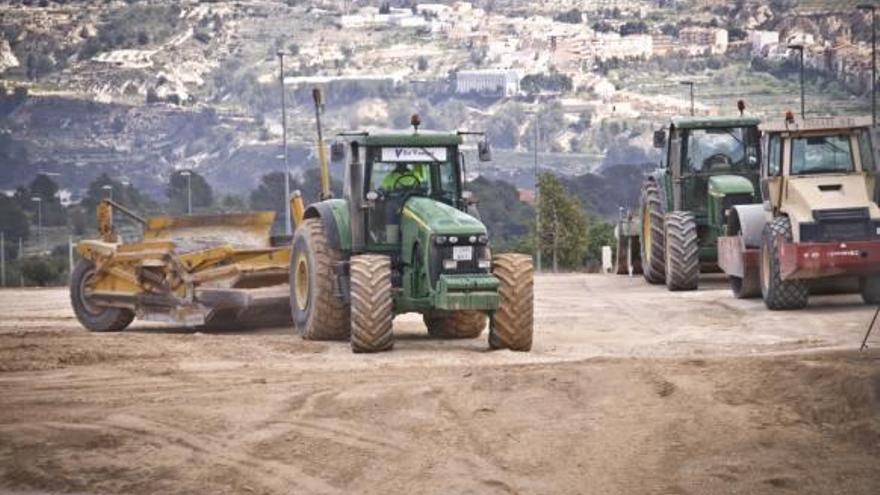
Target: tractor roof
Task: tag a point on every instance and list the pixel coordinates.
(816, 124)
(405, 138)
(710, 122)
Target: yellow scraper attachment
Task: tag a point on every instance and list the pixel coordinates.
(238, 230)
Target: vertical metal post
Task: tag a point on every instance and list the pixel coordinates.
(2, 259)
(874, 66)
(555, 240)
(288, 228)
(20, 258)
(537, 203)
(803, 105)
(692, 99)
(189, 196)
(70, 257)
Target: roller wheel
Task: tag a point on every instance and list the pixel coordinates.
(513, 322)
(778, 293)
(372, 303)
(318, 313)
(870, 289)
(652, 238)
(682, 251)
(93, 317)
(455, 324)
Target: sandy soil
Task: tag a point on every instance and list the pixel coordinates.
(629, 389)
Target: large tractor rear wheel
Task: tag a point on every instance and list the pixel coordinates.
(513, 322)
(778, 293)
(372, 304)
(870, 289)
(318, 314)
(652, 241)
(93, 317)
(455, 324)
(682, 256)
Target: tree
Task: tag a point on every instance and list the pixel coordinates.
(550, 121)
(507, 218)
(563, 233)
(13, 222)
(177, 192)
(42, 270)
(269, 196)
(47, 190)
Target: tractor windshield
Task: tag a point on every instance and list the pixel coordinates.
(711, 150)
(821, 154)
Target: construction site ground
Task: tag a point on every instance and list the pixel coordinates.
(629, 389)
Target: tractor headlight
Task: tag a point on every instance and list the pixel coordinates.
(450, 264)
(484, 264)
(483, 239)
(453, 240)
(472, 239)
(440, 239)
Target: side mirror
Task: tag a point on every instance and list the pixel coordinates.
(660, 138)
(337, 152)
(484, 151)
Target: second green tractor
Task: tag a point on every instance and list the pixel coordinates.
(708, 165)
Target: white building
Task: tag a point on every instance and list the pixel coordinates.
(761, 39)
(500, 82)
(612, 45)
(713, 40)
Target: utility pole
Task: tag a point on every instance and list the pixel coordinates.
(800, 50)
(691, 84)
(537, 202)
(288, 229)
(873, 10)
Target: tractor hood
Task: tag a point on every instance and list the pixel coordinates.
(721, 185)
(440, 218)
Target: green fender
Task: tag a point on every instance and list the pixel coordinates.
(335, 219)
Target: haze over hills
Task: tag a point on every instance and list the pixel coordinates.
(139, 89)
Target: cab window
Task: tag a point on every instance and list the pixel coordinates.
(821, 154)
(774, 156)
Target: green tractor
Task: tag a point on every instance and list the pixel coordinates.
(709, 164)
(402, 240)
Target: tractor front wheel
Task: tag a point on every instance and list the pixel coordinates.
(372, 304)
(318, 314)
(455, 324)
(778, 293)
(513, 322)
(652, 241)
(682, 251)
(93, 317)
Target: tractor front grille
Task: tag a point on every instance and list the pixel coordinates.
(441, 253)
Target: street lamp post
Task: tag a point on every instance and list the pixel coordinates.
(691, 85)
(537, 201)
(189, 202)
(800, 50)
(288, 229)
(873, 10)
(39, 202)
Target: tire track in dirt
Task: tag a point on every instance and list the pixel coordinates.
(272, 475)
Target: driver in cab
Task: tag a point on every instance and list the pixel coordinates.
(405, 176)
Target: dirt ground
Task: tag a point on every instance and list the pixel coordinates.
(629, 389)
